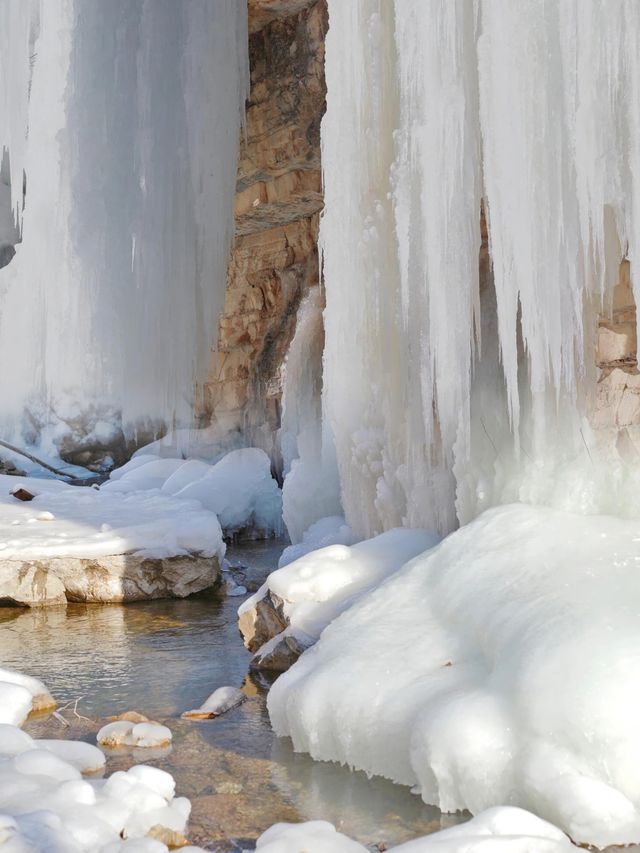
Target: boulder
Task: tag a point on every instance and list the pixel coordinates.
(279, 655)
(263, 620)
(119, 578)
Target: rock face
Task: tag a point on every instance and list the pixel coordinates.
(274, 262)
(36, 583)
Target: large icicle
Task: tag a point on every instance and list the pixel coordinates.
(433, 105)
(132, 109)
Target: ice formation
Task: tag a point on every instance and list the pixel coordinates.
(499, 668)
(311, 489)
(238, 488)
(71, 521)
(499, 830)
(120, 126)
(434, 107)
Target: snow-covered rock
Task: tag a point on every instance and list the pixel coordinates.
(238, 488)
(83, 544)
(46, 804)
(502, 666)
(145, 734)
(41, 699)
(296, 603)
(221, 700)
(499, 830)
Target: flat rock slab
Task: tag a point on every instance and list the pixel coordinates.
(120, 578)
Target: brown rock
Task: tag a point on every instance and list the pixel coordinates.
(125, 577)
(262, 622)
(279, 657)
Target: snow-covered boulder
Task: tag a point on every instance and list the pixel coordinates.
(502, 666)
(238, 488)
(296, 603)
(499, 830)
(20, 695)
(144, 734)
(221, 700)
(83, 544)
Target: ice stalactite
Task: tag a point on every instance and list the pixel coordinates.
(311, 489)
(434, 106)
(124, 117)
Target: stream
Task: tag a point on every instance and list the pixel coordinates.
(164, 657)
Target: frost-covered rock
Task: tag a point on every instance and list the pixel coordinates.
(502, 666)
(498, 830)
(290, 611)
(221, 700)
(332, 530)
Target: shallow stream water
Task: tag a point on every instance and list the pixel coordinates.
(165, 657)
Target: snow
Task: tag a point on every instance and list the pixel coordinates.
(127, 733)
(137, 249)
(241, 491)
(46, 804)
(498, 830)
(238, 488)
(332, 530)
(221, 700)
(502, 667)
(70, 521)
(322, 584)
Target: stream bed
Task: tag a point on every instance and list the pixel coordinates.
(162, 658)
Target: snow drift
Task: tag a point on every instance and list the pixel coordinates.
(502, 667)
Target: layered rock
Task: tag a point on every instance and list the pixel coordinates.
(274, 262)
(125, 577)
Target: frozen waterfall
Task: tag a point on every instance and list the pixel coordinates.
(120, 124)
(466, 390)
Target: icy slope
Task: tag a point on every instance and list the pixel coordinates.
(503, 667)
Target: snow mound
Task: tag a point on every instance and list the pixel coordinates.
(128, 733)
(319, 586)
(69, 521)
(498, 830)
(19, 695)
(241, 491)
(45, 804)
(332, 530)
(239, 488)
(501, 667)
(315, 836)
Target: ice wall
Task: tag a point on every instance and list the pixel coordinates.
(124, 118)
(433, 107)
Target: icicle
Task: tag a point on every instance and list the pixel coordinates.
(133, 112)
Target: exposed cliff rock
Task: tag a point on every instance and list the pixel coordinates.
(274, 261)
